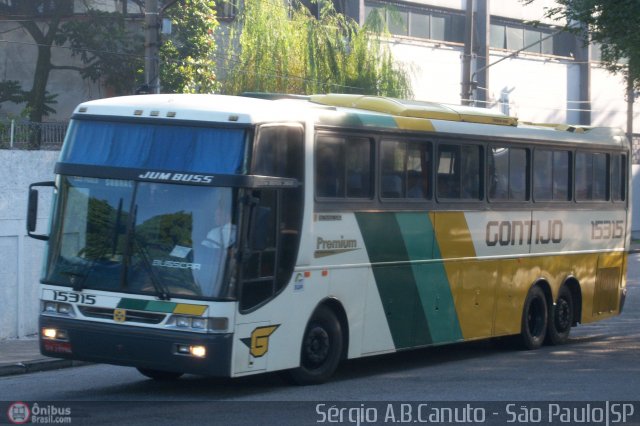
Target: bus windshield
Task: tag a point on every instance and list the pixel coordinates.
(142, 237)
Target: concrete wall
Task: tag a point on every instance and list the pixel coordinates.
(21, 256)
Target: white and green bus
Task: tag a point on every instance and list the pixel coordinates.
(230, 236)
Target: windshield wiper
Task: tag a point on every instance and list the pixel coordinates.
(161, 290)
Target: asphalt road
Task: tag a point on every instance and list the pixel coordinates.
(600, 363)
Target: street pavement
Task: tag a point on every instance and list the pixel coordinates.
(21, 356)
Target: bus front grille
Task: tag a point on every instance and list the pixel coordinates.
(131, 316)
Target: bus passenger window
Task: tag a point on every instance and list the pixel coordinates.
(343, 167)
(508, 174)
(551, 175)
(618, 177)
(330, 167)
(405, 169)
(459, 172)
(447, 180)
(591, 176)
(358, 167)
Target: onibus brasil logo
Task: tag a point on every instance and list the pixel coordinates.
(19, 413)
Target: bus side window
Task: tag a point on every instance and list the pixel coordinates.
(459, 172)
(405, 169)
(343, 167)
(508, 174)
(618, 177)
(551, 175)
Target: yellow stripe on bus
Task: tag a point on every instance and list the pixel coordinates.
(183, 308)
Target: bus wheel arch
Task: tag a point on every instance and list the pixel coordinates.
(576, 294)
(323, 345)
(563, 314)
(535, 315)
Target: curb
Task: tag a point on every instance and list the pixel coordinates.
(38, 365)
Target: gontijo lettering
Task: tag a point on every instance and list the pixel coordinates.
(519, 232)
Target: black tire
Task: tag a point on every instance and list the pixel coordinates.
(560, 318)
(321, 351)
(534, 319)
(159, 374)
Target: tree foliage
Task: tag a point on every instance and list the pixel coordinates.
(187, 56)
(278, 48)
(110, 47)
(613, 24)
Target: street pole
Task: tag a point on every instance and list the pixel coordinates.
(466, 59)
(630, 100)
(151, 59)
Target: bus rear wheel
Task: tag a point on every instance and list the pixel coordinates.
(534, 319)
(560, 318)
(321, 351)
(159, 374)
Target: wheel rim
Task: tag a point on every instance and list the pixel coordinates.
(563, 315)
(535, 317)
(316, 347)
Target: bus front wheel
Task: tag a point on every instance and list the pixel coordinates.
(560, 318)
(159, 374)
(321, 349)
(534, 319)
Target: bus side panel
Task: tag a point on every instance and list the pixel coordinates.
(414, 290)
(341, 270)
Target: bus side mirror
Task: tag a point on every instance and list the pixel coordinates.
(32, 210)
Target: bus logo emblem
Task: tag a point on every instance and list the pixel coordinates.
(258, 343)
(119, 315)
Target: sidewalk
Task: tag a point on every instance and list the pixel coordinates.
(19, 356)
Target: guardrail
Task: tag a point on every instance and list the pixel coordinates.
(22, 134)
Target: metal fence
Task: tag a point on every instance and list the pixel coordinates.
(22, 134)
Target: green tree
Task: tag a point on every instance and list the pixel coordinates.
(111, 48)
(11, 91)
(613, 24)
(187, 56)
(278, 48)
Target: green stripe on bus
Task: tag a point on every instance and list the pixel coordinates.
(133, 304)
(396, 283)
(157, 306)
(431, 278)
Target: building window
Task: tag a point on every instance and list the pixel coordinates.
(226, 9)
(416, 22)
(516, 36)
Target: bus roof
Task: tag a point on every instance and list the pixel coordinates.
(347, 110)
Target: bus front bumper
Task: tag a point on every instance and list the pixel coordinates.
(137, 346)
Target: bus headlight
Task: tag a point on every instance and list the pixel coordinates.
(184, 322)
(57, 308)
(200, 324)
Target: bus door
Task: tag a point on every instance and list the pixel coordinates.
(271, 238)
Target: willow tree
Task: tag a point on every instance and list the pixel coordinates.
(275, 47)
